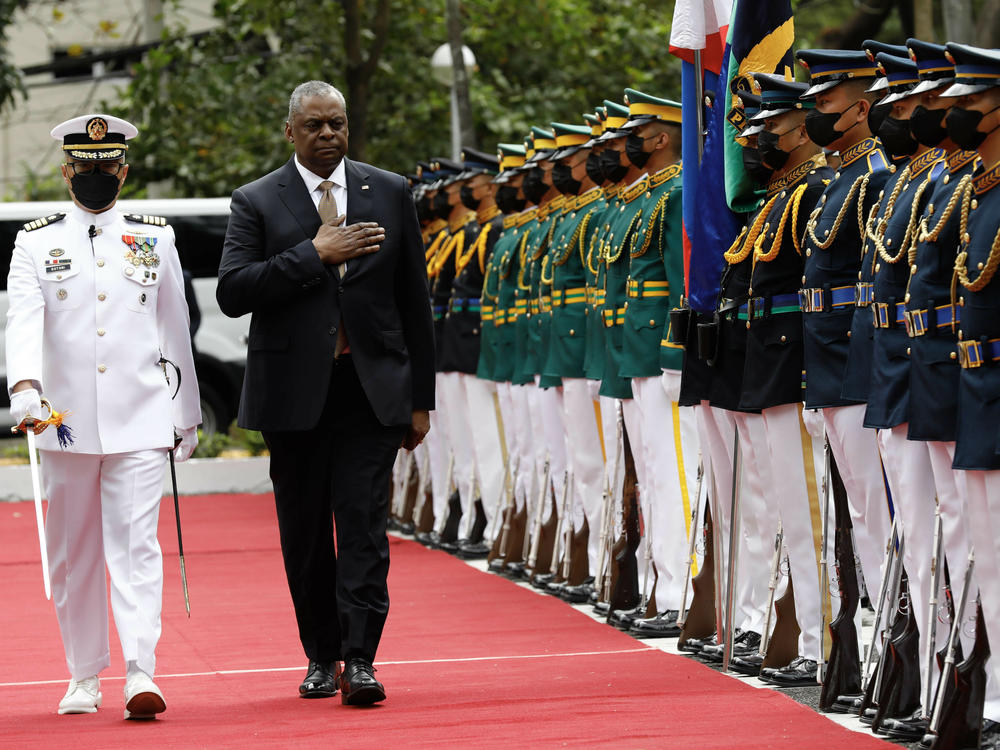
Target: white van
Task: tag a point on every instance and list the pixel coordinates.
(220, 343)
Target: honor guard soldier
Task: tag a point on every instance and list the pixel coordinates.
(451, 359)
(565, 359)
(462, 339)
(96, 308)
(500, 290)
(892, 235)
(772, 375)
(832, 248)
(720, 342)
(880, 110)
(651, 358)
(974, 123)
(932, 330)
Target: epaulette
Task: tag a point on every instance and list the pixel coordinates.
(639, 188)
(589, 197)
(509, 221)
(43, 222)
(667, 173)
(156, 221)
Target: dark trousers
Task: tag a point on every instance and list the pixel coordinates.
(336, 476)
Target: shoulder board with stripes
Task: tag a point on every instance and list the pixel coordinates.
(640, 188)
(589, 197)
(43, 222)
(156, 221)
(526, 216)
(509, 221)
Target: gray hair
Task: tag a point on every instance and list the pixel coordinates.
(312, 88)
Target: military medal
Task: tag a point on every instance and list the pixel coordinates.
(141, 250)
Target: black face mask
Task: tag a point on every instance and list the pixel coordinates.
(634, 152)
(821, 126)
(424, 208)
(770, 153)
(465, 195)
(614, 170)
(508, 201)
(440, 205)
(927, 125)
(562, 179)
(594, 169)
(962, 124)
(95, 191)
(759, 172)
(877, 115)
(896, 137)
(534, 186)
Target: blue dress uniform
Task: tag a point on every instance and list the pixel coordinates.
(898, 78)
(976, 449)
(832, 246)
(772, 376)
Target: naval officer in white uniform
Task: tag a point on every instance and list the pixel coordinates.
(96, 300)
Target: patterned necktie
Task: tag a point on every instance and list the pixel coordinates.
(327, 213)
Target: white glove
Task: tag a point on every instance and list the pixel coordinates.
(813, 421)
(25, 403)
(189, 441)
(671, 382)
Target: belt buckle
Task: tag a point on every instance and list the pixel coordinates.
(816, 300)
(970, 354)
(914, 322)
(804, 301)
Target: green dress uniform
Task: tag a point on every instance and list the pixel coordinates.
(495, 354)
(512, 301)
(655, 274)
(593, 361)
(569, 274)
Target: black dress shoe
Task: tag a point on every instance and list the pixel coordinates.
(358, 686)
(516, 571)
(623, 618)
(712, 652)
(868, 716)
(748, 665)
(989, 737)
(800, 673)
(407, 528)
(320, 681)
(469, 550)
(664, 625)
(849, 703)
(541, 580)
(747, 644)
(601, 608)
(907, 729)
(694, 645)
(578, 594)
(450, 547)
(426, 538)
(555, 588)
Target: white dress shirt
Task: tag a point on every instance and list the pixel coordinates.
(339, 190)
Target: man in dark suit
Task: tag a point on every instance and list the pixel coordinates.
(340, 373)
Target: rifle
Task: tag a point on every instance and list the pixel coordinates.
(561, 562)
(932, 606)
(891, 570)
(824, 568)
(772, 587)
(951, 724)
(692, 535)
(700, 619)
(784, 643)
(843, 672)
(734, 556)
(533, 538)
(608, 511)
(624, 572)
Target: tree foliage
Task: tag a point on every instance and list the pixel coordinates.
(211, 110)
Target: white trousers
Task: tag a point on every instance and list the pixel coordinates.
(438, 444)
(912, 483)
(795, 487)
(982, 496)
(548, 438)
(481, 420)
(456, 417)
(856, 452)
(103, 510)
(669, 451)
(527, 479)
(585, 459)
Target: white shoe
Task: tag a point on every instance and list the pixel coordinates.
(82, 697)
(143, 700)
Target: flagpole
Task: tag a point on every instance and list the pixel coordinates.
(699, 91)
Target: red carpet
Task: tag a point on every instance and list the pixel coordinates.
(468, 660)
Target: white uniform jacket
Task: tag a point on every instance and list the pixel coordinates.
(89, 317)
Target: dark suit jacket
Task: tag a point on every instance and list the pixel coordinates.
(270, 268)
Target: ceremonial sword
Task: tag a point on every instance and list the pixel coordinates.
(173, 482)
(27, 426)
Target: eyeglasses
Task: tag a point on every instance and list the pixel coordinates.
(90, 167)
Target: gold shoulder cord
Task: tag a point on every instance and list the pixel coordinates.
(791, 209)
(992, 261)
(504, 263)
(522, 254)
(594, 243)
(461, 261)
(860, 186)
(909, 245)
(963, 188)
(541, 275)
(878, 236)
(488, 276)
(746, 240)
(625, 234)
(658, 211)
